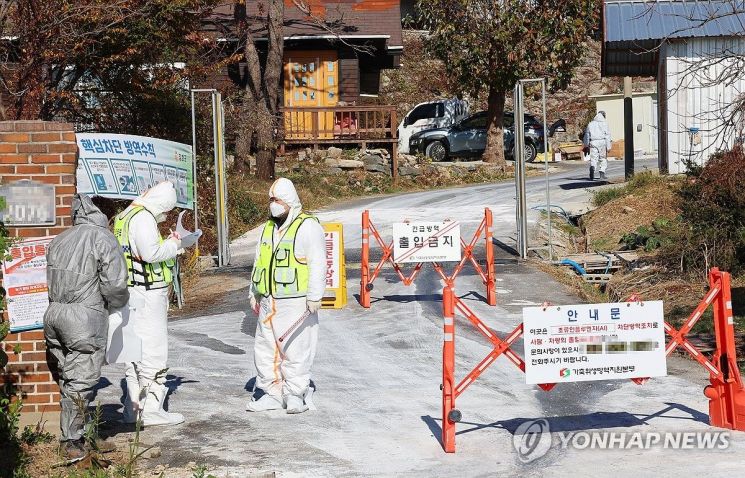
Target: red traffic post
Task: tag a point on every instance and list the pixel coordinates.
(491, 284)
(450, 416)
(726, 395)
(365, 284)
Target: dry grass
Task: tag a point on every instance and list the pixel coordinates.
(605, 226)
(635, 204)
(587, 292)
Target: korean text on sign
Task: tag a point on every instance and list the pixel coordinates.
(332, 259)
(25, 279)
(426, 242)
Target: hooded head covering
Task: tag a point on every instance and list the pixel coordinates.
(284, 189)
(159, 199)
(83, 211)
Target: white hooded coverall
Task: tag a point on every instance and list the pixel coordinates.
(148, 309)
(597, 138)
(283, 369)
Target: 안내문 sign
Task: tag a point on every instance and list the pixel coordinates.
(578, 343)
(122, 166)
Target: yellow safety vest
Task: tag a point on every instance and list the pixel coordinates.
(151, 276)
(277, 271)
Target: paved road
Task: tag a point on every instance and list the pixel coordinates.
(378, 374)
(569, 187)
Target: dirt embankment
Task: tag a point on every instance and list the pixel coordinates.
(647, 210)
(605, 226)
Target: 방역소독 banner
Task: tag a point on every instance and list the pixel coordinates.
(25, 280)
(586, 342)
(120, 166)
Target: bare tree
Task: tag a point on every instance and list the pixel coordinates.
(261, 120)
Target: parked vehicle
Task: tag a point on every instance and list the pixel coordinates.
(430, 115)
(468, 138)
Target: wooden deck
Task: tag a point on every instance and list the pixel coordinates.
(331, 125)
(340, 124)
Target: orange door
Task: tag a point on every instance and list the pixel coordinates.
(311, 80)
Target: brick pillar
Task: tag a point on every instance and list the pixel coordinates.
(45, 152)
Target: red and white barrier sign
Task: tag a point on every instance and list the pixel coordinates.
(416, 242)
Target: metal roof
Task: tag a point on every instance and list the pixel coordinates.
(658, 20)
(634, 29)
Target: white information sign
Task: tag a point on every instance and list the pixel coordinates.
(25, 280)
(579, 343)
(28, 203)
(426, 242)
(122, 166)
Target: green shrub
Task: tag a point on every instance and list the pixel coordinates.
(4, 327)
(661, 233)
(10, 414)
(246, 208)
(606, 195)
(32, 435)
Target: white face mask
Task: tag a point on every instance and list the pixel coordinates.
(277, 209)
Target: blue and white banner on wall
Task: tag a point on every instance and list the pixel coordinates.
(121, 166)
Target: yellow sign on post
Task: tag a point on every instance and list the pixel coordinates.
(335, 296)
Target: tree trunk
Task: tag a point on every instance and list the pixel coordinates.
(265, 163)
(494, 152)
(266, 145)
(266, 136)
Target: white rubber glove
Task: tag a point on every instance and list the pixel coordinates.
(175, 238)
(253, 302)
(314, 306)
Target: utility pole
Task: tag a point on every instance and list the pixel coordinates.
(628, 128)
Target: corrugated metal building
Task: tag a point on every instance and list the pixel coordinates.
(696, 50)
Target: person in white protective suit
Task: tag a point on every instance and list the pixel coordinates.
(287, 283)
(149, 262)
(597, 138)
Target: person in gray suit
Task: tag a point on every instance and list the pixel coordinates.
(86, 277)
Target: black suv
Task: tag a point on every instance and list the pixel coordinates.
(468, 138)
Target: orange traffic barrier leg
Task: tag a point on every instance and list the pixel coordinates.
(491, 282)
(726, 395)
(450, 416)
(365, 262)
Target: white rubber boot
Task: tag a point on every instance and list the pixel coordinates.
(308, 399)
(153, 414)
(131, 400)
(295, 404)
(265, 403)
